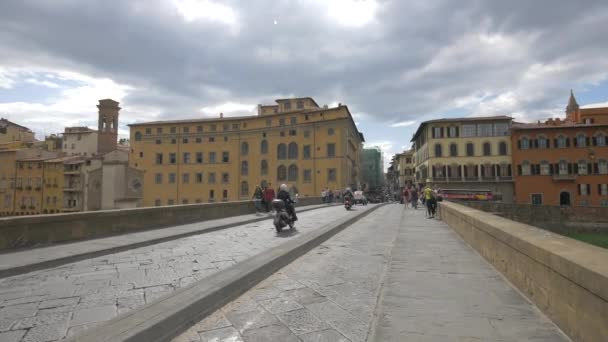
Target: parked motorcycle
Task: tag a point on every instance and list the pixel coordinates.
(282, 218)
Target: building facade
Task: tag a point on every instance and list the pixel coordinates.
(372, 168)
(11, 132)
(405, 168)
(205, 160)
(563, 162)
(465, 153)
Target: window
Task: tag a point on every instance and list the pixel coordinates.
(212, 157)
(438, 171)
(173, 129)
(185, 201)
(438, 151)
(172, 158)
(541, 142)
(487, 149)
(580, 140)
(264, 167)
(159, 130)
(73, 146)
(225, 138)
(185, 140)
(330, 131)
(525, 168)
(561, 142)
(470, 149)
(307, 176)
(282, 133)
(282, 122)
(293, 120)
(331, 150)
(211, 178)
(501, 129)
(235, 126)
(170, 202)
(158, 178)
(502, 148)
(453, 132)
(469, 130)
(213, 127)
(211, 139)
(292, 152)
(171, 178)
(524, 143)
(331, 175)
(545, 168)
(185, 178)
(563, 167)
(224, 195)
(582, 167)
(583, 189)
(602, 189)
(264, 147)
(148, 130)
(484, 130)
(199, 177)
(244, 189)
(186, 158)
(453, 149)
(306, 152)
(157, 202)
(281, 173)
(199, 128)
(141, 154)
(173, 141)
(137, 136)
(437, 132)
(600, 139)
(307, 134)
(159, 158)
(211, 195)
(603, 167)
(225, 127)
(537, 199)
(282, 151)
(287, 105)
(158, 141)
(268, 122)
(244, 148)
(300, 104)
(292, 173)
(244, 168)
(199, 157)
(225, 178)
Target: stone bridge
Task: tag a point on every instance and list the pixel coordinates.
(217, 272)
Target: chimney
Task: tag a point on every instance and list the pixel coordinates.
(221, 115)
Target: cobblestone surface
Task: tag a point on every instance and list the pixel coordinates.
(53, 304)
(393, 276)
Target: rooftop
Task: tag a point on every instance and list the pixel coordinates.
(7, 122)
(446, 120)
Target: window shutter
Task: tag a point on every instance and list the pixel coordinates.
(594, 141)
(575, 168)
(434, 173)
(568, 142)
(589, 168)
(441, 132)
(519, 170)
(587, 141)
(555, 143)
(538, 169)
(550, 169)
(569, 168)
(599, 189)
(510, 173)
(457, 132)
(579, 188)
(574, 142)
(519, 144)
(596, 168)
(433, 132)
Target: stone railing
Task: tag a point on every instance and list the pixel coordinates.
(567, 279)
(25, 231)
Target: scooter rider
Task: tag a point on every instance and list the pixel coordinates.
(285, 197)
(348, 195)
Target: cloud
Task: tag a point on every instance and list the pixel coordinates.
(404, 123)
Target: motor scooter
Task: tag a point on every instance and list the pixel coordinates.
(282, 218)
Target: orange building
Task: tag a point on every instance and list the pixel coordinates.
(563, 162)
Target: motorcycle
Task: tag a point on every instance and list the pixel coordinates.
(348, 203)
(282, 218)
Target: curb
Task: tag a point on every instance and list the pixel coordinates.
(101, 252)
(171, 315)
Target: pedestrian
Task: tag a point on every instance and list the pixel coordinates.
(258, 196)
(324, 195)
(406, 197)
(429, 198)
(269, 195)
(331, 196)
(414, 199)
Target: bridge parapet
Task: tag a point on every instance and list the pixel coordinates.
(567, 279)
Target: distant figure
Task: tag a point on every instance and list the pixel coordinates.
(258, 197)
(406, 197)
(429, 197)
(269, 195)
(324, 195)
(414, 199)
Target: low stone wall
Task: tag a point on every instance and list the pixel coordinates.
(554, 218)
(565, 278)
(24, 231)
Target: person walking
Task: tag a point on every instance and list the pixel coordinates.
(406, 197)
(414, 198)
(269, 195)
(324, 195)
(331, 196)
(258, 196)
(429, 199)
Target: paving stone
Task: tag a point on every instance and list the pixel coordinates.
(53, 303)
(6, 323)
(93, 314)
(12, 336)
(155, 292)
(76, 330)
(228, 334)
(281, 304)
(24, 300)
(304, 296)
(287, 284)
(50, 319)
(46, 333)
(19, 311)
(273, 332)
(251, 319)
(329, 335)
(302, 321)
(215, 321)
(69, 308)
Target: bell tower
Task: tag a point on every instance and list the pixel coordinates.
(572, 110)
(107, 132)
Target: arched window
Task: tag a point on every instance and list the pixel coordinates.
(293, 151)
(453, 150)
(562, 142)
(542, 141)
(264, 147)
(525, 168)
(470, 149)
(502, 148)
(137, 136)
(600, 139)
(244, 148)
(580, 140)
(563, 167)
(524, 143)
(244, 189)
(582, 167)
(292, 174)
(545, 168)
(282, 151)
(281, 173)
(438, 150)
(244, 168)
(602, 166)
(487, 149)
(264, 167)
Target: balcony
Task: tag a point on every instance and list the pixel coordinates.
(564, 177)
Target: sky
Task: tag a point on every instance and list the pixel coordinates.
(395, 63)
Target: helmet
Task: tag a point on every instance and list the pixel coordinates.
(283, 187)
(348, 189)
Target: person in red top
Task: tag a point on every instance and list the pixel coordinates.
(269, 195)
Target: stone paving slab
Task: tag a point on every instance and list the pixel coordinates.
(29, 260)
(69, 299)
(406, 279)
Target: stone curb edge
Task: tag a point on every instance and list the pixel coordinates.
(169, 316)
(8, 272)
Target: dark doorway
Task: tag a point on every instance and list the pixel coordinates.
(564, 198)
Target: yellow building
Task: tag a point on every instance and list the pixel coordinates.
(205, 160)
(465, 153)
(405, 168)
(53, 186)
(11, 132)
